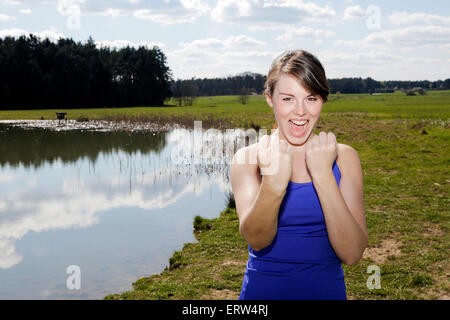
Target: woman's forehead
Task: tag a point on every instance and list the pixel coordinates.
(290, 85)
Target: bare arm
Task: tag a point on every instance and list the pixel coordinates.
(257, 204)
(343, 207)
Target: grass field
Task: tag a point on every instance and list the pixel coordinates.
(228, 111)
(403, 146)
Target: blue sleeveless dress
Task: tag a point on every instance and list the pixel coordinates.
(300, 263)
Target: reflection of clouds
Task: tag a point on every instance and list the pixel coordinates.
(6, 177)
(117, 179)
(71, 208)
(8, 255)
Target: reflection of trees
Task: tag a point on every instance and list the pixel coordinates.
(36, 147)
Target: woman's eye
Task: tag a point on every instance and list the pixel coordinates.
(312, 98)
(287, 99)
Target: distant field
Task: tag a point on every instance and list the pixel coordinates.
(435, 105)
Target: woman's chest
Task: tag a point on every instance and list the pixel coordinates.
(301, 208)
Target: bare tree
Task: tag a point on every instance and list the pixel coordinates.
(243, 95)
(189, 91)
(184, 93)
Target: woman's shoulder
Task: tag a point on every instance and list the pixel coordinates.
(246, 155)
(347, 157)
(345, 148)
(244, 167)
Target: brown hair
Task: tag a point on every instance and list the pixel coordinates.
(302, 65)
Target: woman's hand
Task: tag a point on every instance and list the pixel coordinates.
(275, 159)
(321, 151)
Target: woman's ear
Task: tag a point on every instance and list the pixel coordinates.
(268, 99)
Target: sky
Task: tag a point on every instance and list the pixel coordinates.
(385, 40)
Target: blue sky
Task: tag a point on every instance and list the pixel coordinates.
(385, 40)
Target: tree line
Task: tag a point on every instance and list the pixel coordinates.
(37, 73)
(185, 91)
(254, 83)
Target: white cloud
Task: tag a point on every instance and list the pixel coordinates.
(242, 40)
(113, 13)
(304, 32)
(196, 5)
(4, 17)
(214, 57)
(185, 11)
(409, 37)
(226, 9)
(212, 45)
(25, 11)
(10, 2)
(162, 12)
(53, 35)
(380, 65)
(417, 17)
(310, 8)
(353, 13)
(165, 19)
(371, 57)
(269, 14)
(247, 54)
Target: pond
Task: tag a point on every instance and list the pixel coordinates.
(112, 205)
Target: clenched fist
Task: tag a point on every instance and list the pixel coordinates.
(321, 151)
(275, 158)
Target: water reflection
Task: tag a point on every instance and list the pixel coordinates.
(114, 204)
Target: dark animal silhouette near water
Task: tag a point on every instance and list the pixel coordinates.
(61, 116)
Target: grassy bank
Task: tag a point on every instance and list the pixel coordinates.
(211, 268)
(403, 147)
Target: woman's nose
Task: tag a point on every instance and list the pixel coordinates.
(300, 106)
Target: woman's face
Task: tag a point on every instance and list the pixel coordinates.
(296, 110)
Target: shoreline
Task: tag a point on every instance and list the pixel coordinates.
(147, 123)
(209, 269)
(91, 125)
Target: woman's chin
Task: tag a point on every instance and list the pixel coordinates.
(298, 141)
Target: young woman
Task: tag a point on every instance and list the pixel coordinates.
(300, 206)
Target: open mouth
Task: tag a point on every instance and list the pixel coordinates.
(298, 128)
(299, 123)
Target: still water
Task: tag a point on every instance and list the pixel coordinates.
(115, 204)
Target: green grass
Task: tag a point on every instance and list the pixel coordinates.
(403, 144)
(436, 104)
(229, 111)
